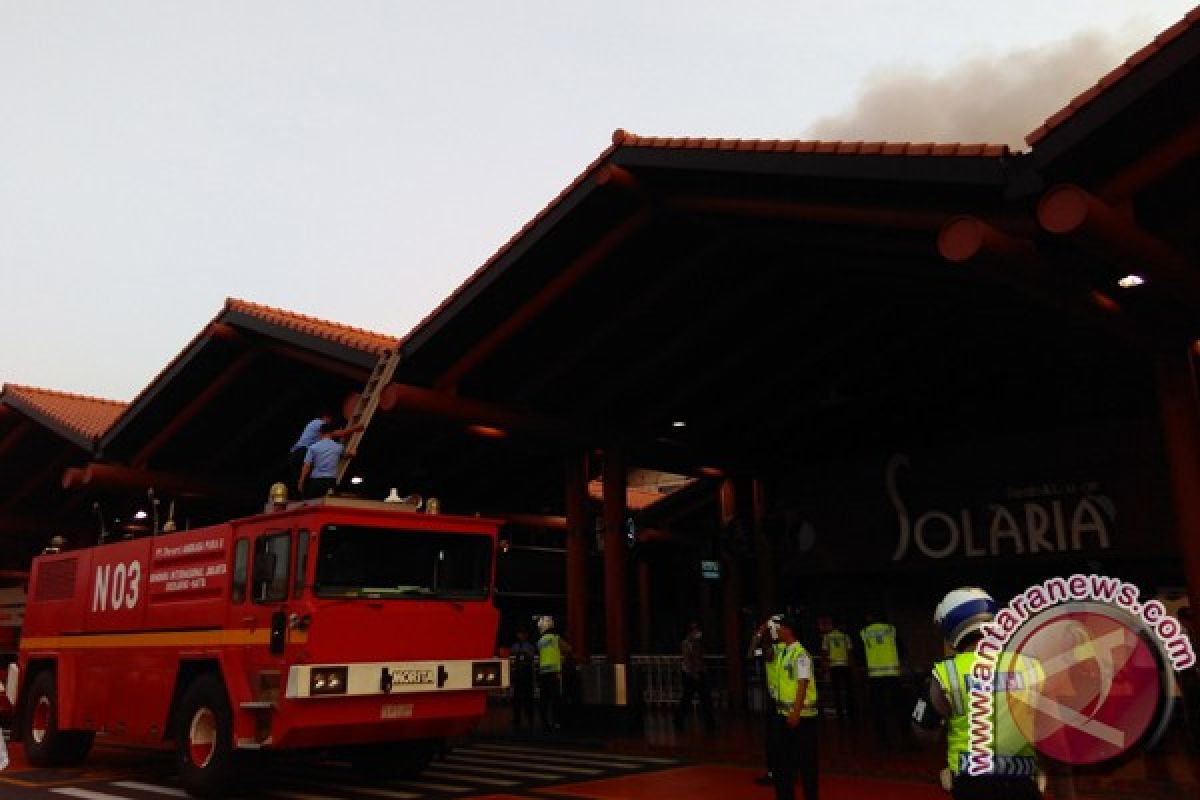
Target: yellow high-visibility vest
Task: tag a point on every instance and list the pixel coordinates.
(837, 645)
(879, 644)
(549, 653)
(1015, 682)
(789, 660)
(771, 664)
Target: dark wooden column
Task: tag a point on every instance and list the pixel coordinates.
(616, 557)
(764, 554)
(644, 617)
(731, 600)
(1176, 378)
(577, 555)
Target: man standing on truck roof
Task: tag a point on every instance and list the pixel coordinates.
(321, 464)
(310, 436)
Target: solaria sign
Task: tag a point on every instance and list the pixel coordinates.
(1052, 518)
(1084, 667)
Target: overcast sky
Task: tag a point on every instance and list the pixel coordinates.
(357, 160)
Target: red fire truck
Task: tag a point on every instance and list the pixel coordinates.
(336, 624)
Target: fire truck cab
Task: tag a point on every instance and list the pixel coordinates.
(332, 624)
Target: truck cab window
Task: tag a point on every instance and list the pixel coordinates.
(241, 560)
(271, 562)
(361, 561)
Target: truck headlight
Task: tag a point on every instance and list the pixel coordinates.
(486, 674)
(327, 680)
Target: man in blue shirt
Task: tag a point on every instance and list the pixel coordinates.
(321, 464)
(308, 437)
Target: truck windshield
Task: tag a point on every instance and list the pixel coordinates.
(356, 561)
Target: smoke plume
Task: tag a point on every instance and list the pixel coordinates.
(995, 99)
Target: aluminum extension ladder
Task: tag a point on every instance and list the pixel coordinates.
(368, 401)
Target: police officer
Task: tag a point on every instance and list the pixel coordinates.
(762, 649)
(549, 674)
(882, 652)
(836, 647)
(794, 735)
(523, 655)
(961, 615)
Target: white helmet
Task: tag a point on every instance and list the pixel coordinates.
(962, 612)
(545, 623)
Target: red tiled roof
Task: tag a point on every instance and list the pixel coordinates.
(347, 335)
(626, 139)
(88, 416)
(1115, 76)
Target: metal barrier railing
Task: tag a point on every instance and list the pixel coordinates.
(660, 679)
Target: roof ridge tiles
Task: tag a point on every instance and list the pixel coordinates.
(88, 416)
(1114, 76)
(23, 388)
(624, 138)
(240, 304)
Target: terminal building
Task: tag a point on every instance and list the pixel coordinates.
(714, 378)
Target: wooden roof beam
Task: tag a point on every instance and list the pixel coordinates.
(321, 362)
(568, 277)
(38, 477)
(1017, 263)
(1153, 165)
(433, 403)
(1115, 237)
(14, 436)
(199, 402)
(117, 478)
(861, 215)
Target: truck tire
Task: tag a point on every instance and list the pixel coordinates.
(45, 744)
(395, 759)
(204, 752)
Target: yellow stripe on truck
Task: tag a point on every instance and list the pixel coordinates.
(95, 641)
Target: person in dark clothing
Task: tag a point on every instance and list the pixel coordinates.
(523, 654)
(695, 679)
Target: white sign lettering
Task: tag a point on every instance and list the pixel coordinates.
(117, 587)
(1051, 519)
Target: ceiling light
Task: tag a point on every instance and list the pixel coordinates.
(1130, 281)
(678, 424)
(139, 514)
(357, 479)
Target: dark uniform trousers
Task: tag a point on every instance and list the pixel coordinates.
(886, 701)
(843, 692)
(550, 702)
(988, 787)
(522, 683)
(794, 750)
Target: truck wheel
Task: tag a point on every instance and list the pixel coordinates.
(45, 744)
(396, 759)
(204, 738)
